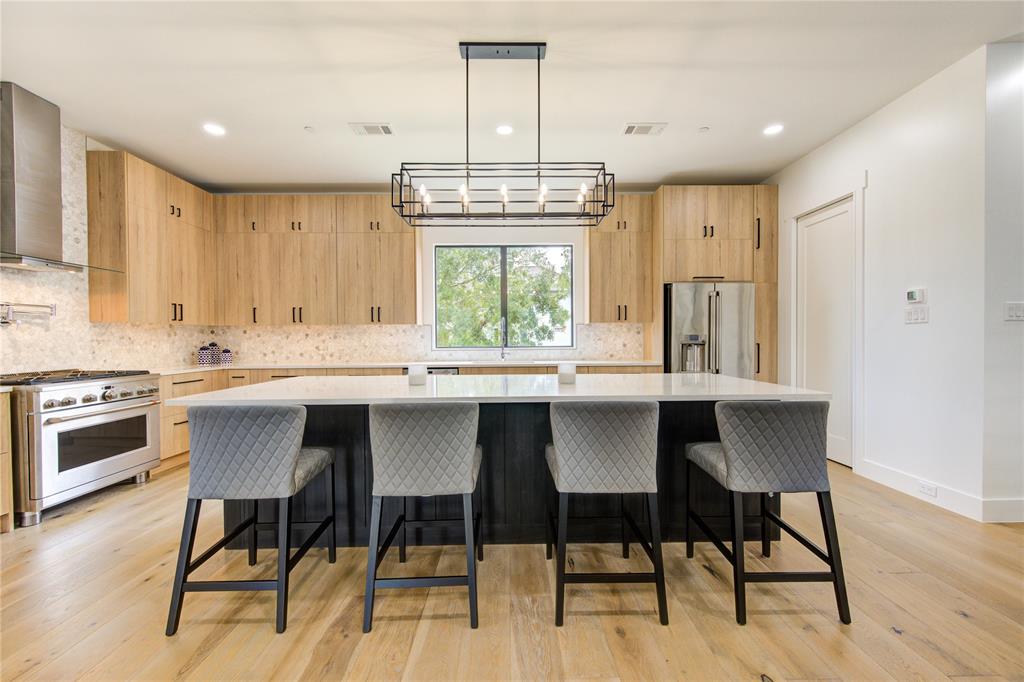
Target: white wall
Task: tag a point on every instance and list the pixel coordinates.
(1003, 473)
(920, 164)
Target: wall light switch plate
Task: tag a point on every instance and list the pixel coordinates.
(1013, 311)
(915, 314)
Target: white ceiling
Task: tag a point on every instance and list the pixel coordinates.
(144, 76)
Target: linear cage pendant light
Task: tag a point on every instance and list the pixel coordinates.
(505, 193)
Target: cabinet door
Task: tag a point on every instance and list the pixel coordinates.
(273, 289)
(605, 276)
(730, 211)
(766, 233)
(146, 185)
(238, 213)
(387, 218)
(237, 377)
(358, 255)
(314, 212)
(236, 277)
(683, 211)
(190, 250)
(708, 259)
(357, 213)
(395, 281)
(636, 212)
(735, 259)
(318, 278)
(279, 213)
(187, 201)
(148, 266)
(613, 221)
(766, 330)
(635, 276)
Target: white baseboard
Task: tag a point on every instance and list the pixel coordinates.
(994, 510)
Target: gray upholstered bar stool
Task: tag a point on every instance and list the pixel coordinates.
(249, 453)
(423, 450)
(769, 447)
(602, 448)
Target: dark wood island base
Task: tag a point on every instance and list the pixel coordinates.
(515, 487)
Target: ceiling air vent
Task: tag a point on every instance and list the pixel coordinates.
(371, 128)
(644, 128)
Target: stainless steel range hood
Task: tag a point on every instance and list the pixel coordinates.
(31, 234)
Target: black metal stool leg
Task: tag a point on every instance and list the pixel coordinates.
(563, 523)
(766, 529)
(371, 563)
(284, 526)
(828, 523)
(188, 539)
(738, 573)
(659, 564)
(622, 526)
(403, 538)
(467, 510)
(478, 527)
(332, 543)
(688, 531)
(251, 533)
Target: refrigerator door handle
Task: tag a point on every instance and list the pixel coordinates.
(712, 340)
(718, 332)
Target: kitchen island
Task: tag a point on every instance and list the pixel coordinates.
(514, 427)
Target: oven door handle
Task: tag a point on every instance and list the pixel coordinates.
(61, 420)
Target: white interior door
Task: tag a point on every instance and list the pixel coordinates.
(825, 325)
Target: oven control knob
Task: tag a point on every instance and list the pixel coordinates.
(89, 398)
(108, 395)
(127, 394)
(49, 404)
(68, 402)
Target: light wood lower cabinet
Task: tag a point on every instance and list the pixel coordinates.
(174, 419)
(619, 369)
(261, 375)
(766, 332)
(6, 473)
(237, 377)
(377, 278)
(367, 371)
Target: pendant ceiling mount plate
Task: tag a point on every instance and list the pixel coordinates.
(503, 50)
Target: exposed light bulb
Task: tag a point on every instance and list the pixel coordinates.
(583, 188)
(543, 190)
(423, 190)
(465, 200)
(504, 190)
(426, 200)
(462, 189)
(579, 199)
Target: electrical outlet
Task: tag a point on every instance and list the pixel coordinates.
(926, 488)
(1013, 311)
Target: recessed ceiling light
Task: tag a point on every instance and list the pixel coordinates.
(504, 129)
(214, 129)
(704, 129)
(773, 129)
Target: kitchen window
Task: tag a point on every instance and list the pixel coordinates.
(517, 296)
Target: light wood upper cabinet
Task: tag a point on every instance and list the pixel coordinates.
(730, 212)
(632, 213)
(683, 210)
(238, 213)
(377, 278)
(708, 259)
(279, 212)
(299, 212)
(368, 213)
(766, 233)
(236, 278)
(613, 221)
(766, 331)
(297, 282)
(185, 203)
(620, 276)
(190, 288)
(145, 184)
(148, 267)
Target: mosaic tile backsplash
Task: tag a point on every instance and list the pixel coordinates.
(70, 340)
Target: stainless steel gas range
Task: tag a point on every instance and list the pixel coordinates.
(77, 431)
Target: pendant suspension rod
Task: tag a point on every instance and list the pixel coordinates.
(538, 104)
(467, 107)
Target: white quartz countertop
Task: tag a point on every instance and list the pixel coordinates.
(5, 389)
(429, 363)
(347, 390)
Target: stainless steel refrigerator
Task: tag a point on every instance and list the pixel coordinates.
(709, 327)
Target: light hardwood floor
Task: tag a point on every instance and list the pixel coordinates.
(933, 595)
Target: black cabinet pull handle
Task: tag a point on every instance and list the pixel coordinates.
(758, 234)
(712, 230)
(172, 209)
(174, 312)
(300, 225)
(705, 231)
(618, 224)
(625, 311)
(254, 314)
(618, 312)
(254, 226)
(371, 225)
(625, 224)
(378, 229)
(187, 381)
(378, 313)
(293, 314)
(300, 314)
(181, 312)
(371, 313)
(179, 423)
(757, 355)
(293, 226)
(708, 277)
(179, 212)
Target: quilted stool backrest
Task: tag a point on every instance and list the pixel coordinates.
(774, 446)
(606, 446)
(423, 449)
(244, 452)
